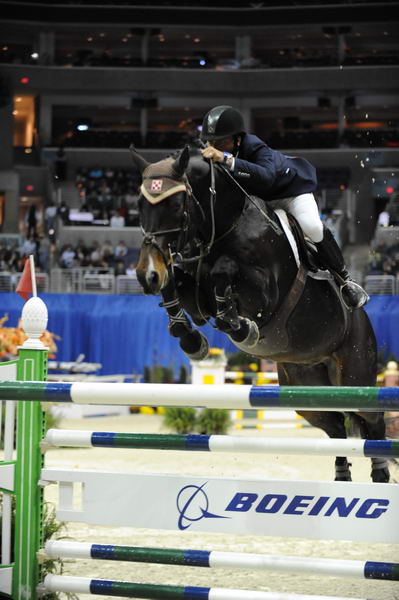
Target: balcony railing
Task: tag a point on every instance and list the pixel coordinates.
(76, 281)
(104, 281)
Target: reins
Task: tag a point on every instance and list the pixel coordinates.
(272, 224)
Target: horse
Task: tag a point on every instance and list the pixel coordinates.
(215, 253)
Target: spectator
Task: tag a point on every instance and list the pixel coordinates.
(63, 212)
(43, 252)
(121, 250)
(28, 247)
(31, 221)
(131, 270)
(117, 220)
(82, 254)
(50, 216)
(68, 257)
(383, 219)
(120, 268)
(107, 253)
(95, 255)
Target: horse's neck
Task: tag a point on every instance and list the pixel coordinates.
(226, 205)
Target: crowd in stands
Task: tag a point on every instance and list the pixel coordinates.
(384, 257)
(98, 255)
(119, 257)
(108, 196)
(384, 260)
(13, 253)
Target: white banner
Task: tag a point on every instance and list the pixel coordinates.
(308, 509)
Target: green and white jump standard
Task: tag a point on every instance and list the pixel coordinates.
(229, 396)
(19, 474)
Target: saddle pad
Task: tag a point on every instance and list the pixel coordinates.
(282, 217)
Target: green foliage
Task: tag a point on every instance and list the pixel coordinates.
(51, 421)
(183, 374)
(208, 421)
(180, 420)
(51, 528)
(213, 421)
(242, 360)
(158, 374)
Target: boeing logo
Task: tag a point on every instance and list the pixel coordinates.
(326, 506)
(192, 505)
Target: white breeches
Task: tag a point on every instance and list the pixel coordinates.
(304, 209)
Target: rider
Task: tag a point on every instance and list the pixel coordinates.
(286, 181)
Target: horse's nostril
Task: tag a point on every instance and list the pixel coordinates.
(153, 278)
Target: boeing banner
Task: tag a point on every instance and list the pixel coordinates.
(309, 509)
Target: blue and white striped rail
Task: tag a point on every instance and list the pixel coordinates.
(226, 560)
(222, 443)
(125, 589)
(230, 396)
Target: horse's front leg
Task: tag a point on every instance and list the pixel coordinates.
(239, 329)
(192, 342)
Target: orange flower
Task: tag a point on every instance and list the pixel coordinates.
(12, 337)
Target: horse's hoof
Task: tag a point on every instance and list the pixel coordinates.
(202, 352)
(252, 336)
(380, 475)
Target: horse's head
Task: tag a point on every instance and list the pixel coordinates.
(163, 217)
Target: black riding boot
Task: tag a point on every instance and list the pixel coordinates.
(332, 259)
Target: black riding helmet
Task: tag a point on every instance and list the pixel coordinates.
(220, 122)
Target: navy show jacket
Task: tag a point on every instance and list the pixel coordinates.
(270, 174)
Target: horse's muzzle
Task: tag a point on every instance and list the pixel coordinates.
(152, 273)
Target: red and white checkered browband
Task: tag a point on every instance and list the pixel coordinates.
(159, 189)
(156, 185)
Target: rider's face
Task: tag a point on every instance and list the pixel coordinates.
(224, 145)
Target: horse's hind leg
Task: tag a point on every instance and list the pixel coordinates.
(356, 362)
(332, 423)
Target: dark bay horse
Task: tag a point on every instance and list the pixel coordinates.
(213, 252)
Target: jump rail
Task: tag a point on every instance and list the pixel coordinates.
(222, 443)
(226, 560)
(366, 399)
(125, 589)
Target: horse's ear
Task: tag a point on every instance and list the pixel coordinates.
(181, 163)
(138, 160)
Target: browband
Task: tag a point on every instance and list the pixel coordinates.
(156, 198)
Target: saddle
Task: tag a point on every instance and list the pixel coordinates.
(308, 266)
(306, 249)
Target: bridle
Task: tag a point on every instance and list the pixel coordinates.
(150, 237)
